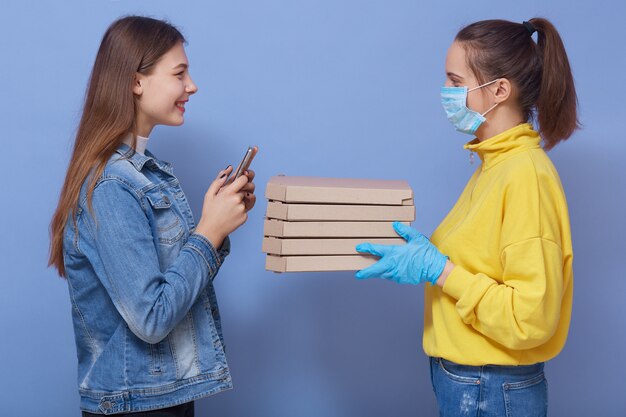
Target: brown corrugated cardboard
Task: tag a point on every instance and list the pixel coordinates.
(318, 263)
(277, 246)
(280, 228)
(338, 191)
(336, 212)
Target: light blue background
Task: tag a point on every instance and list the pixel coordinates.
(340, 88)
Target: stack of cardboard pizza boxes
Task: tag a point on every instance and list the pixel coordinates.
(314, 224)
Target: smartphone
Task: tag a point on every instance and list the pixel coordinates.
(245, 162)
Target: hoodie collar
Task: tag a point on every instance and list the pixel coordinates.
(508, 143)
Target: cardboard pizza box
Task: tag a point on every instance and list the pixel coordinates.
(280, 228)
(338, 212)
(290, 189)
(318, 263)
(278, 246)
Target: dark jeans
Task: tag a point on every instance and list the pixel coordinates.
(182, 410)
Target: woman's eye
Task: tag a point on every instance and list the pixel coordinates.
(180, 74)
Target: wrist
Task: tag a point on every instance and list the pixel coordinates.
(214, 236)
(447, 269)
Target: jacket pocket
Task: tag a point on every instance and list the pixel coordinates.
(167, 223)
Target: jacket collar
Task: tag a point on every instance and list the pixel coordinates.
(138, 160)
(508, 143)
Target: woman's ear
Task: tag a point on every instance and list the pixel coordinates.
(138, 84)
(501, 90)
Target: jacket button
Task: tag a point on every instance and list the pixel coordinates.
(106, 405)
(166, 199)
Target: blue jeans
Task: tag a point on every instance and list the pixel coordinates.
(489, 391)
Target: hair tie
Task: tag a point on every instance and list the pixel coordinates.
(529, 27)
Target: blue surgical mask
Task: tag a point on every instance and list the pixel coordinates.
(454, 101)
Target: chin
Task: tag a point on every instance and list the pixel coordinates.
(178, 122)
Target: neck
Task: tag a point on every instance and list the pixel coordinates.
(498, 120)
(144, 127)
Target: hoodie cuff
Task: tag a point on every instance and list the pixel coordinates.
(457, 282)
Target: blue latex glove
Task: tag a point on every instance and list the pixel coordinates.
(414, 263)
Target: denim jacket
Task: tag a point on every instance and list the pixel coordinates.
(144, 310)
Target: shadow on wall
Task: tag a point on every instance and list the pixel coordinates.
(594, 178)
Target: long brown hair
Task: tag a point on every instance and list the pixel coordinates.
(540, 71)
(130, 45)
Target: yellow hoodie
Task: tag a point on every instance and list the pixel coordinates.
(508, 300)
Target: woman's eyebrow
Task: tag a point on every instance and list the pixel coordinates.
(451, 74)
(181, 65)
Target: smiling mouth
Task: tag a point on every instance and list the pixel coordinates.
(181, 105)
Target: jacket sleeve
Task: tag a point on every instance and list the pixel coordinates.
(523, 311)
(151, 302)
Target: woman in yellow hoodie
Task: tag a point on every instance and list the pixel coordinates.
(500, 263)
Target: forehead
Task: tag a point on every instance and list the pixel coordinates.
(174, 57)
(456, 62)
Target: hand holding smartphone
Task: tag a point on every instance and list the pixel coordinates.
(244, 165)
(249, 198)
(246, 161)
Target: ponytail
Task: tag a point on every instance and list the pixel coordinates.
(539, 71)
(557, 102)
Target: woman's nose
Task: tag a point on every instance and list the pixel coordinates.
(191, 87)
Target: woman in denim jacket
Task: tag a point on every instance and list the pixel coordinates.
(139, 270)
